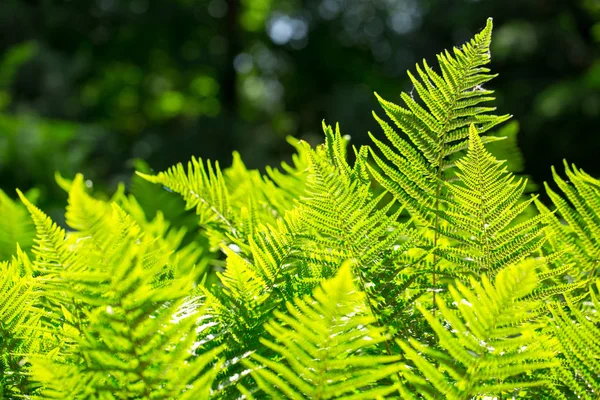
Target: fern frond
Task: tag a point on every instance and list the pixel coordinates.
(50, 249)
(325, 347)
(20, 328)
(345, 220)
(234, 204)
(491, 339)
(202, 186)
(437, 127)
(481, 213)
(249, 290)
(579, 207)
(579, 339)
(120, 353)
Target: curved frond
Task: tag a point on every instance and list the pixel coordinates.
(50, 249)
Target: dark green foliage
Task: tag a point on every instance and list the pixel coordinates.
(16, 226)
(444, 285)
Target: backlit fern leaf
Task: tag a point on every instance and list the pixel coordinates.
(481, 213)
(438, 129)
(202, 186)
(245, 287)
(346, 220)
(120, 350)
(491, 340)
(325, 347)
(579, 339)
(253, 284)
(579, 207)
(20, 331)
(50, 250)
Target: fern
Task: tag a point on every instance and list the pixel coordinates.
(439, 128)
(19, 326)
(579, 339)
(325, 346)
(416, 270)
(490, 341)
(346, 220)
(481, 211)
(119, 350)
(580, 209)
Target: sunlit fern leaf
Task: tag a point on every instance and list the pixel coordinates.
(92, 219)
(437, 127)
(325, 347)
(481, 213)
(561, 244)
(275, 253)
(244, 285)
(138, 337)
(16, 227)
(250, 288)
(153, 198)
(232, 205)
(52, 254)
(490, 340)
(19, 326)
(346, 220)
(579, 207)
(579, 339)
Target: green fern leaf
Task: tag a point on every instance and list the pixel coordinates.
(481, 214)
(438, 128)
(580, 209)
(325, 347)
(579, 339)
(20, 328)
(117, 351)
(491, 341)
(345, 220)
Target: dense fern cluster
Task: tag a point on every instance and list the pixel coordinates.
(415, 268)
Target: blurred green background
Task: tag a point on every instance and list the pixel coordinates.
(91, 85)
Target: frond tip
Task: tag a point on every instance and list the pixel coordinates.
(438, 126)
(482, 209)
